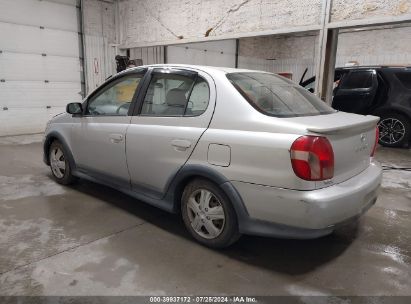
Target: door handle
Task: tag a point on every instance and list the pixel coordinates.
(181, 144)
(116, 138)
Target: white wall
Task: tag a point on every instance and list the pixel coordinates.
(373, 47)
(156, 21)
(348, 10)
(290, 54)
(100, 37)
(293, 54)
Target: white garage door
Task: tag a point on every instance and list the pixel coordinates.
(40, 70)
(213, 53)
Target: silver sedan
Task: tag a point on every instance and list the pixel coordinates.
(233, 151)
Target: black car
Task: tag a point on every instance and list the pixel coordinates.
(384, 91)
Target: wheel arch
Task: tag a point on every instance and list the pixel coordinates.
(392, 109)
(191, 172)
(50, 138)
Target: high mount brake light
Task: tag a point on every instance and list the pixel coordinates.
(312, 158)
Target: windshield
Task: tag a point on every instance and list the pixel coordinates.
(277, 96)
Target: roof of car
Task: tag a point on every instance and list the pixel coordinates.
(199, 67)
(358, 67)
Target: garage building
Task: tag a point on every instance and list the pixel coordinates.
(90, 240)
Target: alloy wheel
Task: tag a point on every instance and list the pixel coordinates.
(391, 130)
(206, 214)
(57, 162)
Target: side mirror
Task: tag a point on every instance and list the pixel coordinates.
(74, 108)
(311, 90)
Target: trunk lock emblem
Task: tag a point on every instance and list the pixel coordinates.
(364, 145)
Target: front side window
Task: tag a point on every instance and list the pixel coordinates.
(276, 96)
(175, 95)
(116, 98)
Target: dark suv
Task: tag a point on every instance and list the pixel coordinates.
(384, 91)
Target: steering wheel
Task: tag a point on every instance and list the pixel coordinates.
(126, 106)
(94, 111)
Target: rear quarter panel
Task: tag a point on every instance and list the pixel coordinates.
(259, 144)
(256, 157)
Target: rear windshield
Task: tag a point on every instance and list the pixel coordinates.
(277, 96)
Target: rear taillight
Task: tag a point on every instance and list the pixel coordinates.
(312, 158)
(377, 137)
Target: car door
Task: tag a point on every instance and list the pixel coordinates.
(98, 135)
(173, 114)
(356, 92)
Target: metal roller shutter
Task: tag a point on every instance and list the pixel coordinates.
(40, 70)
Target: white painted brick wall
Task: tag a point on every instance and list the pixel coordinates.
(279, 47)
(151, 21)
(294, 54)
(145, 22)
(382, 46)
(344, 10)
(290, 54)
(375, 42)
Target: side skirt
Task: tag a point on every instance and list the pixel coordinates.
(163, 204)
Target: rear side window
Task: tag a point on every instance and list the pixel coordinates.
(199, 97)
(404, 78)
(357, 80)
(276, 96)
(175, 95)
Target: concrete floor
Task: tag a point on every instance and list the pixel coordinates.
(91, 240)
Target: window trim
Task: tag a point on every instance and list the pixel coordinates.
(109, 84)
(162, 71)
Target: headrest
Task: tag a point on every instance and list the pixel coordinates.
(176, 97)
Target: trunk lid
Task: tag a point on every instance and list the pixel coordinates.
(352, 138)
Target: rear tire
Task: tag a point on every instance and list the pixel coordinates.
(209, 215)
(394, 130)
(59, 164)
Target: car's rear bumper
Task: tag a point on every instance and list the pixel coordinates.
(307, 214)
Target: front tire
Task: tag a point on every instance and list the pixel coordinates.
(394, 130)
(59, 164)
(208, 214)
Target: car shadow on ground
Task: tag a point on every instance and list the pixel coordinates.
(291, 257)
